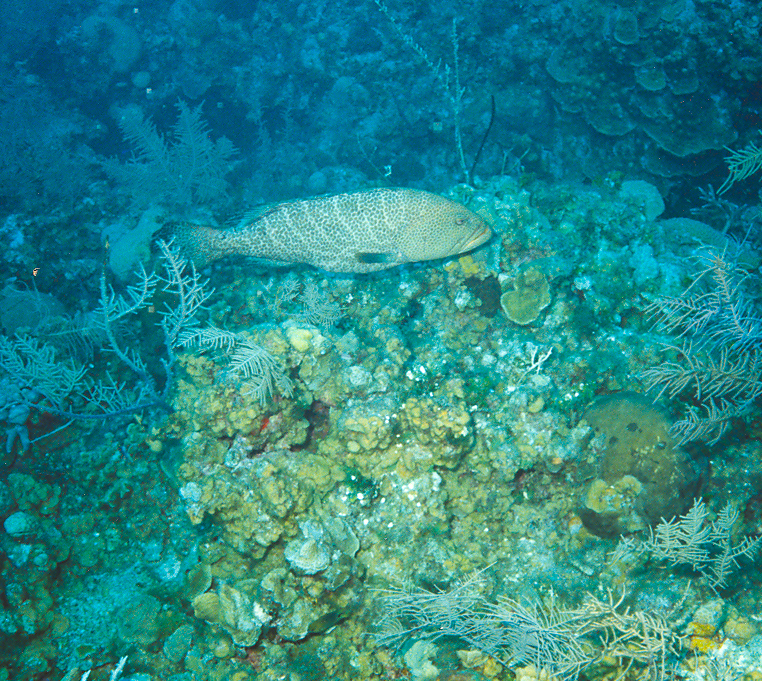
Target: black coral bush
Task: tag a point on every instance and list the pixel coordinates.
(190, 167)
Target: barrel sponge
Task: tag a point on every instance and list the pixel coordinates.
(638, 444)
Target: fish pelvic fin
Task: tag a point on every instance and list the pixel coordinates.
(368, 258)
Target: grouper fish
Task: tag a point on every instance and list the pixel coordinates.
(361, 231)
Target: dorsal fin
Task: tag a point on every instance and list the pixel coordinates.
(256, 214)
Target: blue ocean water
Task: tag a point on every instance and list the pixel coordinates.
(534, 455)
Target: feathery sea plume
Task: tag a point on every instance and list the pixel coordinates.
(65, 387)
(719, 361)
(304, 302)
(259, 370)
(693, 540)
(741, 164)
(557, 641)
(187, 168)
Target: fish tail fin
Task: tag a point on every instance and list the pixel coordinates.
(199, 243)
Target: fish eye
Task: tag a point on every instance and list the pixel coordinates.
(460, 220)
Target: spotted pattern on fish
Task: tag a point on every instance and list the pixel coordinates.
(361, 231)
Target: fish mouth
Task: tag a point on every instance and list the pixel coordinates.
(477, 239)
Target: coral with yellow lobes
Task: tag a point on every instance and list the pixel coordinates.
(703, 638)
(444, 422)
(378, 434)
(319, 364)
(202, 406)
(206, 412)
(30, 493)
(257, 500)
(466, 266)
(365, 426)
